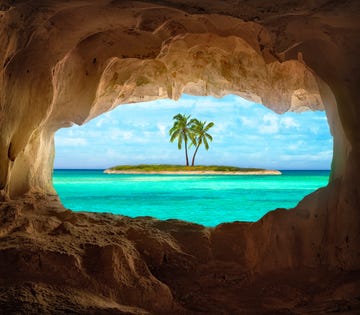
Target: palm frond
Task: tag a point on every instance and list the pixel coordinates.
(209, 125)
(172, 130)
(180, 140)
(191, 131)
(208, 137)
(206, 144)
(174, 135)
(193, 139)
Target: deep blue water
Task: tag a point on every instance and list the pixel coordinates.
(204, 199)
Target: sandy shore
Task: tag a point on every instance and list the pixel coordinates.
(264, 172)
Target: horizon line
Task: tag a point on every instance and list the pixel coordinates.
(102, 169)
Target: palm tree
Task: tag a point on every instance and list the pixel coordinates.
(181, 131)
(200, 135)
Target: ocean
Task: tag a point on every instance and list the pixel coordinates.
(204, 199)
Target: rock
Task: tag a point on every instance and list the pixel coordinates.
(100, 263)
(68, 62)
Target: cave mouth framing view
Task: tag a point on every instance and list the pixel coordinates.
(67, 62)
(245, 135)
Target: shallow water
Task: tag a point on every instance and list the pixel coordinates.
(204, 199)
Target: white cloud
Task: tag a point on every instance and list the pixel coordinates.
(247, 122)
(162, 128)
(100, 122)
(289, 122)
(71, 142)
(116, 155)
(314, 129)
(241, 102)
(119, 134)
(306, 158)
(252, 137)
(323, 155)
(140, 123)
(271, 124)
(256, 155)
(296, 146)
(221, 128)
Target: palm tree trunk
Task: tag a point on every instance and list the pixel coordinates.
(186, 153)
(193, 159)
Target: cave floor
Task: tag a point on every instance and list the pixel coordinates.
(55, 261)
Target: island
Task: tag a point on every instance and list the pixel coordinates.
(188, 170)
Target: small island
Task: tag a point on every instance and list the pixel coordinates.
(193, 133)
(188, 170)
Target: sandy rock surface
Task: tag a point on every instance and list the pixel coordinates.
(66, 62)
(55, 261)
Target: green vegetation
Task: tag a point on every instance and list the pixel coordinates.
(194, 129)
(181, 168)
(181, 131)
(200, 135)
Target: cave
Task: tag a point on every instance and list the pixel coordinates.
(68, 62)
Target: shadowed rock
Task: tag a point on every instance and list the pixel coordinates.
(67, 62)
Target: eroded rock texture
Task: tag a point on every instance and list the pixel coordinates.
(54, 261)
(65, 62)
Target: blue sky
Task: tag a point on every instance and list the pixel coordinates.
(245, 134)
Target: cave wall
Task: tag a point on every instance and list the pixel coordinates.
(67, 62)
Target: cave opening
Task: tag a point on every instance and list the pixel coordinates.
(246, 135)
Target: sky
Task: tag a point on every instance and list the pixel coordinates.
(245, 134)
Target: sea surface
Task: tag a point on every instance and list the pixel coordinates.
(204, 199)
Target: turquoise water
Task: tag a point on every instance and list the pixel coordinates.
(207, 200)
